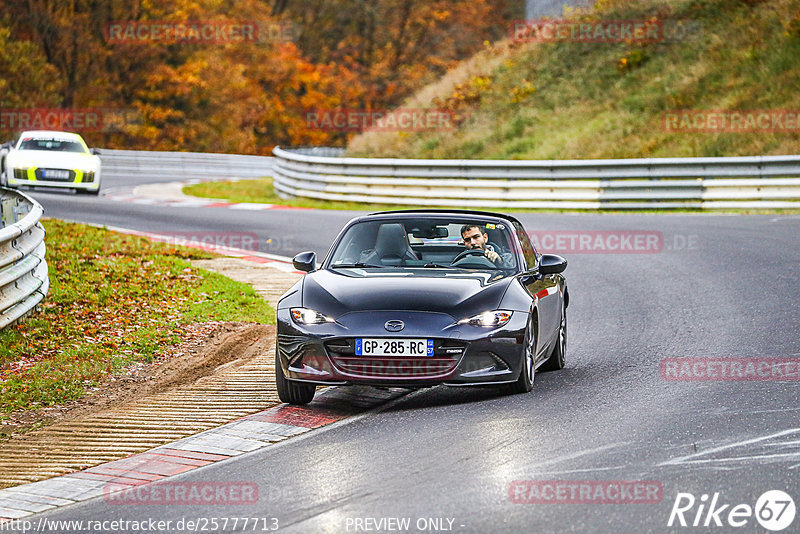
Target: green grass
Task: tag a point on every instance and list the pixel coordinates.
(261, 191)
(607, 100)
(114, 300)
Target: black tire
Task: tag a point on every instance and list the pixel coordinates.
(558, 357)
(292, 392)
(527, 374)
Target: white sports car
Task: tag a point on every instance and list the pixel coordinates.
(52, 159)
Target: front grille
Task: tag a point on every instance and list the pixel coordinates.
(69, 177)
(446, 355)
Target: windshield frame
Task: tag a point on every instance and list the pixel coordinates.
(436, 218)
(37, 139)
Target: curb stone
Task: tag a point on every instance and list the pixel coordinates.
(248, 434)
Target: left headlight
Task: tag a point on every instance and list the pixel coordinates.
(307, 316)
(488, 318)
(88, 176)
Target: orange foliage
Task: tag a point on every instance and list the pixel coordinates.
(240, 96)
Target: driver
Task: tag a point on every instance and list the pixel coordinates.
(476, 238)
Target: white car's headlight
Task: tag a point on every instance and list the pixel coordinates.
(307, 316)
(19, 171)
(488, 318)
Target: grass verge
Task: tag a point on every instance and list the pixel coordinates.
(114, 300)
(261, 191)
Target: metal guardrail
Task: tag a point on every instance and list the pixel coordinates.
(24, 279)
(666, 183)
(182, 165)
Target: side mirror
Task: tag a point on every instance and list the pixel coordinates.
(305, 261)
(7, 144)
(94, 151)
(551, 264)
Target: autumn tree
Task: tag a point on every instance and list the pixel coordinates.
(235, 96)
(26, 79)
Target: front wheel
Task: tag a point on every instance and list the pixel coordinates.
(292, 392)
(558, 358)
(526, 376)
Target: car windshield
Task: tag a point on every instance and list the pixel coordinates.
(436, 243)
(54, 145)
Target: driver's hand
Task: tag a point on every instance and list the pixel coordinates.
(492, 255)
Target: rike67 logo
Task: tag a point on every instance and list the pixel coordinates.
(774, 510)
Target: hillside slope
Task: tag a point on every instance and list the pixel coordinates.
(608, 100)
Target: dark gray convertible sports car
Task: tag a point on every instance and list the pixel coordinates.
(419, 298)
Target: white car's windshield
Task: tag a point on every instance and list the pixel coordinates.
(54, 145)
(431, 243)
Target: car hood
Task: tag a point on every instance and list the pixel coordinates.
(456, 293)
(55, 160)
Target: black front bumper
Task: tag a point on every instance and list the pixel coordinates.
(463, 354)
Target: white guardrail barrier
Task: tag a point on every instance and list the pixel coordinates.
(24, 280)
(182, 165)
(668, 183)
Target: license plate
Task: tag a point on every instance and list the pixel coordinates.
(56, 174)
(394, 347)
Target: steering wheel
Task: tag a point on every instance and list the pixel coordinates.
(468, 252)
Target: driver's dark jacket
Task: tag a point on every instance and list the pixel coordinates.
(506, 258)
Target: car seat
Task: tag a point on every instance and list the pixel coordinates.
(391, 247)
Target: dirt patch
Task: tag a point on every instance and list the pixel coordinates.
(208, 347)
